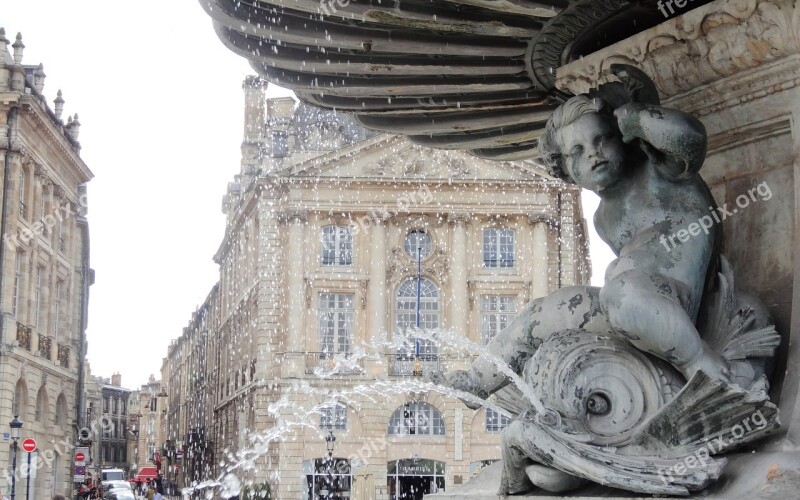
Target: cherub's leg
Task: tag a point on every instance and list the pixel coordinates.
(650, 310)
(570, 307)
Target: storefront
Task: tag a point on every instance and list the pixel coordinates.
(410, 479)
(327, 480)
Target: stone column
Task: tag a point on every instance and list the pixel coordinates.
(295, 334)
(459, 304)
(376, 318)
(540, 285)
(377, 298)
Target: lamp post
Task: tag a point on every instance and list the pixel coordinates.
(16, 425)
(330, 441)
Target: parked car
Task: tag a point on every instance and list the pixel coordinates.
(120, 494)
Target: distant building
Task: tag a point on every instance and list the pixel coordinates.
(146, 407)
(44, 273)
(112, 435)
(328, 225)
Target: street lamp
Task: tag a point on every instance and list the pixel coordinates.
(16, 425)
(330, 441)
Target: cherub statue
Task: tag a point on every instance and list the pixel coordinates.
(642, 159)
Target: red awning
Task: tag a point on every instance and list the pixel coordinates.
(146, 473)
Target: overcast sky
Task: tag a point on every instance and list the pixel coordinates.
(160, 103)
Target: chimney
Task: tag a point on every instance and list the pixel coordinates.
(116, 380)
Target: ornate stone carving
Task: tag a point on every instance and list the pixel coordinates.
(292, 215)
(701, 46)
(400, 266)
(458, 218)
(618, 385)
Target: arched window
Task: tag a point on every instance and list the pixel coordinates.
(416, 419)
(496, 421)
(406, 304)
(41, 405)
(61, 410)
(20, 399)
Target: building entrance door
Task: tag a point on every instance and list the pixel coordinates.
(410, 479)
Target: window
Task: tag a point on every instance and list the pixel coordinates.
(418, 239)
(336, 316)
(41, 405)
(105, 404)
(324, 476)
(116, 405)
(57, 310)
(416, 419)
(61, 409)
(61, 244)
(417, 354)
(333, 417)
(37, 297)
(498, 247)
(124, 406)
(22, 210)
(406, 305)
(20, 399)
(17, 283)
(337, 246)
(153, 404)
(497, 312)
(236, 381)
(496, 421)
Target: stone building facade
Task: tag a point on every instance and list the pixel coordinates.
(332, 231)
(44, 272)
(144, 429)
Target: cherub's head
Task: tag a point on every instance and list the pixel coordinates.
(582, 143)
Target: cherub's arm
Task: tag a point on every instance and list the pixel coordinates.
(677, 139)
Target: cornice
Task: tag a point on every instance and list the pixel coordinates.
(704, 45)
(56, 137)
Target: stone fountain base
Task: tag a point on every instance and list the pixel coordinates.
(748, 475)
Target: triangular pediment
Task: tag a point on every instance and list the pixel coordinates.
(395, 157)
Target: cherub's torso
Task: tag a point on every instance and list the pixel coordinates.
(645, 205)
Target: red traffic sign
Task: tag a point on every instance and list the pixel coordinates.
(80, 457)
(29, 445)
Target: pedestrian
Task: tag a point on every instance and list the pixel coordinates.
(151, 492)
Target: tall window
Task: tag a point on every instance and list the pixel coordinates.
(336, 318)
(41, 405)
(417, 419)
(38, 297)
(406, 305)
(498, 247)
(333, 417)
(105, 404)
(497, 312)
(496, 421)
(57, 310)
(22, 208)
(60, 236)
(337, 246)
(17, 283)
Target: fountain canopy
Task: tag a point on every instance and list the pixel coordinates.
(477, 75)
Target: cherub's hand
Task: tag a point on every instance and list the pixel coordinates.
(628, 120)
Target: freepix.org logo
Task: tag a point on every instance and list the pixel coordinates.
(664, 5)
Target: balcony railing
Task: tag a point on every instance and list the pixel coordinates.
(404, 365)
(63, 355)
(341, 362)
(24, 336)
(45, 345)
